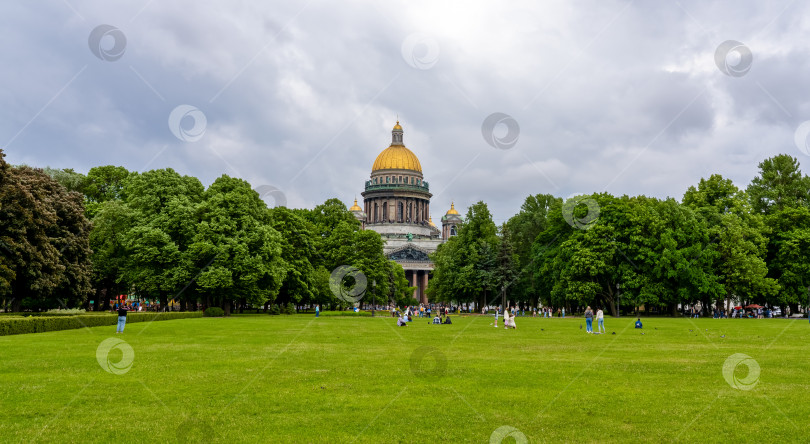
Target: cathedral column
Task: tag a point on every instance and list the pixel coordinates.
(424, 286)
(417, 294)
(413, 283)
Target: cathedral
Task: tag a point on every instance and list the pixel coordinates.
(396, 204)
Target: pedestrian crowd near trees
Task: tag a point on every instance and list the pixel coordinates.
(68, 238)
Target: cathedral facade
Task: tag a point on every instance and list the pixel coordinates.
(396, 204)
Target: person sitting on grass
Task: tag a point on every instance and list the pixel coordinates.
(447, 320)
(401, 322)
(437, 319)
(638, 323)
(510, 322)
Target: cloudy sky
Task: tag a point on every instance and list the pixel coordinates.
(627, 97)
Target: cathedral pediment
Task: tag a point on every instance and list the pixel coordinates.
(409, 252)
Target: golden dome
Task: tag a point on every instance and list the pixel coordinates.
(355, 207)
(397, 157)
(430, 221)
(452, 209)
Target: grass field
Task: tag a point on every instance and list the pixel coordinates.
(341, 380)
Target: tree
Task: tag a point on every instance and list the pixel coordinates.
(506, 272)
(103, 184)
(780, 185)
(298, 251)
(521, 231)
(44, 240)
(466, 266)
(638, 249)
(239, 252)
(781, 194)
(164, 208)
(112, 222)
(738, 243)
(71, 180)
(327, 216)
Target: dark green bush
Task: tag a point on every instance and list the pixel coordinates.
(54, 315)
(289, 309)
(274, 310)
(38, 324)
(214, 312)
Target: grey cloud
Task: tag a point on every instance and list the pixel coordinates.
(304, 99)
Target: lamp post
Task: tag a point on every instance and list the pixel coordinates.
(373, 288)
(618, 301)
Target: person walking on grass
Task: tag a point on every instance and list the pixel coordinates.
(588, 320)
(496, 317)
(122, 319)
(600, 319)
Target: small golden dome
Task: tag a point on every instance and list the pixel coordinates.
(397, 157)
(452, 209)
(355, 207)
(397, 127)
(430, 221)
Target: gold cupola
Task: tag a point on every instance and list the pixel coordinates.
(397, 156)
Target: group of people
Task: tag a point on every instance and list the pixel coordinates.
(548, 312)
(509, 316)
(424, 311)
(754, 313)
(406, 316)
(600, 320)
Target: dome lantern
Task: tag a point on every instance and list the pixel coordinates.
(396, 135)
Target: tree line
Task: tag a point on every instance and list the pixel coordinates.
(68, 238)
(719, 245)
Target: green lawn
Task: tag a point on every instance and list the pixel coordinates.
(339, 380)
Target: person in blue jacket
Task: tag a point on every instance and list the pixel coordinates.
(638, 323)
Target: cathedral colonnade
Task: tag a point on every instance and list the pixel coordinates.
(419, 280)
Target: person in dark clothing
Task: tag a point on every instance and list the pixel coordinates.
(447, 320)
(122, 319)
(638, 323)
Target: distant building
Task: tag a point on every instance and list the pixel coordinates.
(396, 204)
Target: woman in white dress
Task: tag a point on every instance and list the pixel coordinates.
(508, 321)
